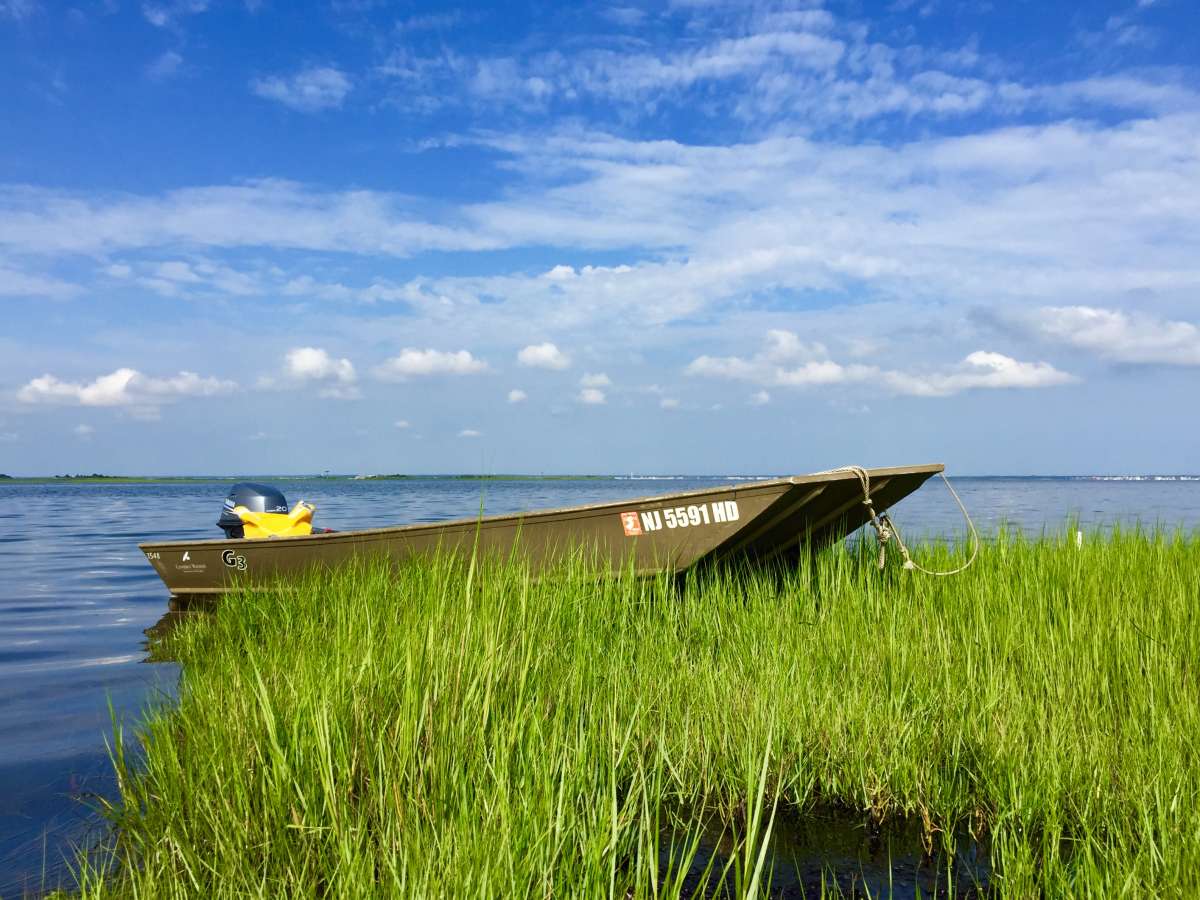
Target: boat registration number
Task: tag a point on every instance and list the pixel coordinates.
(635, 522)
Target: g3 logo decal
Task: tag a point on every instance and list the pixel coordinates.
(233, 560)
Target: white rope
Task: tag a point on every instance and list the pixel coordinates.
(886, 530)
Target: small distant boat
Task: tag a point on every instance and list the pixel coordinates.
(756, 521)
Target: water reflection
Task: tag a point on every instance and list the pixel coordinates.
(179, 610)
(829, 849)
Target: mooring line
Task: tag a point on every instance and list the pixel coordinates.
(886, 530)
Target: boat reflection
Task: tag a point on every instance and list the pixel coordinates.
(179, 610)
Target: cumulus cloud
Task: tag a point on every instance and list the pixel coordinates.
(470, 433)
(788, 362)
(784, 360)
(412, 363)
(516, 395)
(758, 398)
(309, 90)
(1137, 338)
(595, 379)
(84, 431)
(543, 356)
(981, 369)
(591, 396)
(124, 387)
(668, 403)
(336, 377)
(314, 362)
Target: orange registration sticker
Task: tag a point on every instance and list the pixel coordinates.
(631, 524)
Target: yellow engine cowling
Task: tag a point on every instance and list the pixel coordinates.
(259, 525)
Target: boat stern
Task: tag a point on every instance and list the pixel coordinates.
(194, 568)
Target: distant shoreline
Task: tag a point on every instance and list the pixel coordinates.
(97, 478)
(200, 479)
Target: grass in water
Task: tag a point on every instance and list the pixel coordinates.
(456, 728)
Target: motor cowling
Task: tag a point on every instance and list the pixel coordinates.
(260, 498)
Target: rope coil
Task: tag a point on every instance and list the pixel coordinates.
(886, 530)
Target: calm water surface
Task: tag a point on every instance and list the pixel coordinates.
(76, 596)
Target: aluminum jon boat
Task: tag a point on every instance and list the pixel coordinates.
(757, 521)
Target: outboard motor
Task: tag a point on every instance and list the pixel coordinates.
(259, 498)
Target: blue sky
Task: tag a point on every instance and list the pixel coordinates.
(671, 237)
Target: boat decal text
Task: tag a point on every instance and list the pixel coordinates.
(233, 560)
(188, 565)
(716, 513)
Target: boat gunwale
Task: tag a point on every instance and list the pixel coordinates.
(589, 510)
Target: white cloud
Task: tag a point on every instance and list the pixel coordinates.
(263, 213)
(768, 68)
(309, 90)
(22, 284)
(758, 398)
(543, 356)
(163, 15)
(164, 66)
(9, 437)
(1007, 215)
(401, 423)
(176, 270)
(597, 379)
(629, 77)
(668, 403)
(124, 387)
(981, 369)
(628, 16)
(412, 363)
(314, 362)
(200, 277)
(304, 365)
(591, 397)
(18, 9)
(470, 433)
(560, 273)
(84, 431)
(516, 395)
(1118, 336)
(430, 22)
(785, 362)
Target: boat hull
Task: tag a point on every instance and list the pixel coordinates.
(756, 521)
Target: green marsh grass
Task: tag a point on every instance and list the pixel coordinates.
(457, 728)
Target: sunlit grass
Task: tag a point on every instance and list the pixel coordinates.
(456, 728)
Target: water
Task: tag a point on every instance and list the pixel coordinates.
(830, 847)
(76, 596)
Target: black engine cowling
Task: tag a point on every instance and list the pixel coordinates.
(256, 498)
